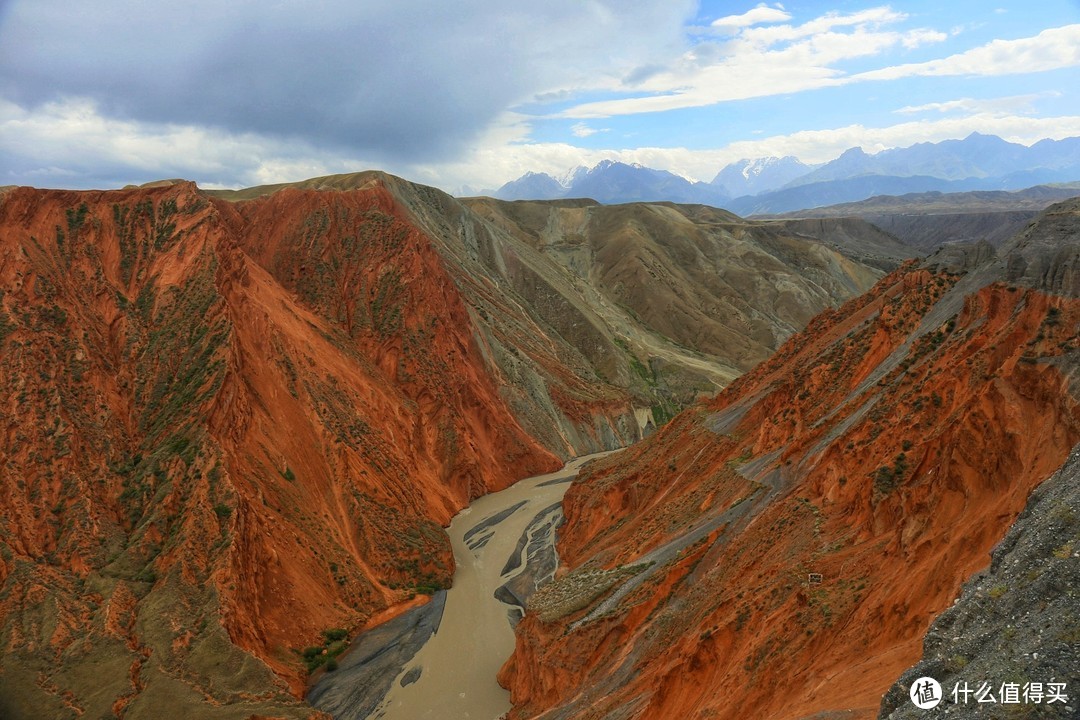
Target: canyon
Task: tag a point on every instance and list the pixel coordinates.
(781, 550)
(236, 423)
(504, 550)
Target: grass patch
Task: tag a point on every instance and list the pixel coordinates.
(335, 642)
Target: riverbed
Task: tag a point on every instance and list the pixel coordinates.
(503, 548)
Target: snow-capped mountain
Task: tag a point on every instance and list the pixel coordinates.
(532, 186)
(751, 176)
(611, 182)
(783, 184)
(568, 178)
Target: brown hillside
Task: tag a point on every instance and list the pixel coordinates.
(645, 307)
(929, 220)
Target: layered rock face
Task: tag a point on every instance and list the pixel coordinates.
(199, 462)
(1015, 626)
(647, 305)
(232, 424)
(780, 551)
(703, 278)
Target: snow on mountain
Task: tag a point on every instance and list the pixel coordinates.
(751, 176)
(568, 178)
(975, 162)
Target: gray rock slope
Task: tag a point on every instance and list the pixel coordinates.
(1015, 624)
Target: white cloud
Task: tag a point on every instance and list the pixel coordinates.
(758, 15)
(60, 130)
(582, 130)
(762, 61)
(1002, 105)
(645, 51)
(814, 146)
(400, 81)
(133, 151)
(1051, 49)
(917, 38)
(771, 60)
(71, 139)
(873, 17)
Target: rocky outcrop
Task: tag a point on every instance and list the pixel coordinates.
(781, 550)
(961, 257)
(1047, 254)
(1015, 626)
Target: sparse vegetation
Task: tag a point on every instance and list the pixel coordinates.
(886, 478)
(7, 325)
(956, 663)
(576, 591)
(335, 642)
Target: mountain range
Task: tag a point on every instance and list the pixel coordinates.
(781, 550)
(777, 185)
(236, 421)
(929, 220)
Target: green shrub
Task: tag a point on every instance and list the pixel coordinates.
(334, 634)
(884, 480)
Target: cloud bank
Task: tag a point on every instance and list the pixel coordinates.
(469, 95)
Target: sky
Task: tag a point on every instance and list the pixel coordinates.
(470, 94)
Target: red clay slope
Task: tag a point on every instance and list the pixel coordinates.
(224, 427)
(887, 447)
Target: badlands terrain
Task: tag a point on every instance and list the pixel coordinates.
(236, 424)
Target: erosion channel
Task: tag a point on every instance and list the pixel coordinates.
(439, 660)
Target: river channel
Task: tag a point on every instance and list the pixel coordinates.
(439, 661)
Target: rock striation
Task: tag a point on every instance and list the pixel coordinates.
(781, 550)
(235, 424)
(206, 466)
(1015, 626)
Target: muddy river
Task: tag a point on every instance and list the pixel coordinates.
(439, 661)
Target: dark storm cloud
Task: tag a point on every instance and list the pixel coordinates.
(387, 80)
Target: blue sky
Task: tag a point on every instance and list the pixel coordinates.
(468, 95)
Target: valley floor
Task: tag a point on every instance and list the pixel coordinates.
(440, 660)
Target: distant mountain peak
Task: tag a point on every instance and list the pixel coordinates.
(979, 161)
(568, 178)
(750, 176)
